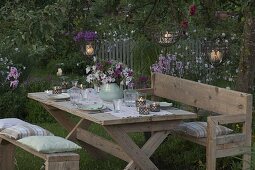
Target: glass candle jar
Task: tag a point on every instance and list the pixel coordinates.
(144, 110)
(155, 107)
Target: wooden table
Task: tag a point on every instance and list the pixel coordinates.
(118, 128)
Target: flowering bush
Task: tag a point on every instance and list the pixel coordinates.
(109, 72)
(9, 73)
(168, 65)
(85, 36)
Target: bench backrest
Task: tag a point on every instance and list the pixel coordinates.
(200, 95)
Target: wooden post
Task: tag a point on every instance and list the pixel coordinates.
(7, 151)
(211, 145)
(65, 165)
(247, 131)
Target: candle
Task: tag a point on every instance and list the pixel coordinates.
(140, 102)
(168, 37)
(216, 55)
(155, 107)
(59, 73)
(89, 49)
(81, 86)
(56, 90)
(144, 110)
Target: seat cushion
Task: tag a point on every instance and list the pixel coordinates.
(8, 122)
(49, 144)
(199, 129)
(23, 130)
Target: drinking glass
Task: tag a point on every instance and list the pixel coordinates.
(117, 105)
(130, 96)
(75, 93)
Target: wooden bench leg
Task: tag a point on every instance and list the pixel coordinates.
(246, 161)
(66, 165)
(7, 152)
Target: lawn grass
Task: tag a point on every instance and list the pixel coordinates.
(173, 154)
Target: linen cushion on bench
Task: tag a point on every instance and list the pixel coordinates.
(49, 144)
(8, 122)
(199, 129)
(24, 130)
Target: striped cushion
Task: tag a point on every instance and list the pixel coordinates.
(8, 122)
(21, 131)
(199, 129)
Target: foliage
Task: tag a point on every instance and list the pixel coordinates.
(13, 104)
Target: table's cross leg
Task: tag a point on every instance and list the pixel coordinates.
(102, 144)
(150, 146)
(60, 117)
(129, 146)
(72, 135)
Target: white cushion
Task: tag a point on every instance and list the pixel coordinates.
(49, 144)
(199, 129)
(24, 130)
(8, 122)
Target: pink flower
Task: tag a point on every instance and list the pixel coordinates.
(14, 83)
(192, 10)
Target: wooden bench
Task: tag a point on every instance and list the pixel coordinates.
(54, 161)
(233, 107)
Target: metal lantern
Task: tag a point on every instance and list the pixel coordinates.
(89, 51)
(215, 52)
(90, 48)
(167, 38)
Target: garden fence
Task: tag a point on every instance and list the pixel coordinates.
(122, 51)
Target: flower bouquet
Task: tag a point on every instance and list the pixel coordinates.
(109, 72)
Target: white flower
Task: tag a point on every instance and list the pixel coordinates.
(223, 34)
(94, 68)
(88, 70)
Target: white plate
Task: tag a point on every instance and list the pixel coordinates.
(62, 96)
(165, 104)
(92, 107)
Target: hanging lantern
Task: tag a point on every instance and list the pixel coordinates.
(89, 50)
(215, 52)
(166, 38)
(216, 56)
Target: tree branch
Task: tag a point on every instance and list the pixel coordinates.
(150, 13)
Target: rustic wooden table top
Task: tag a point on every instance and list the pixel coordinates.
(107, 118)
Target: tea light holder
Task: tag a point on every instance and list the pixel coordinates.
(140, 102)
(64, 86)
(57, 90)
(155, 107)
(144, 110)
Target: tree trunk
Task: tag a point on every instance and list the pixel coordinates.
(247, 59)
